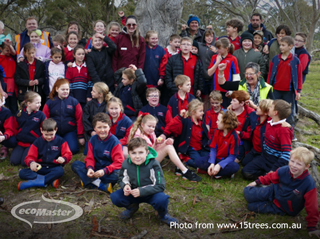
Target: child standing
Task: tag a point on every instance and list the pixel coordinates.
(289, 190)
(27, 124)
(99, 27)
(145, 186)
(211, 115)
(144, 128)
(46, 158)
(58, 40)
(234, 26)
(113, 30)
(79, 79)
(104, 159)
(67, 112)
(72, 41)
(301, 53)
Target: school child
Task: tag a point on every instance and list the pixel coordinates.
(231, 72)
(46, 158)
(211, 115)
(67, 112)
(58, 40)
(42, 51)
(29, 75)
(73, 26)
(8, 62)
(129, 90)
(144, 128)
(99, 27)
(72, 41)
(234, 26)
(285, 75)
(153, 61)
(79, 79)
(104, 158)
(120, 123)
(289, 190)
(157, 110)
(276, 145)
(113, 30)
(195, 48)
(180, 100)
(258, 42)
(174, 45)
(99, 60)
(192, 133)
(100, 97)
(301, 53)
(224, 148)
(54, 69)
(145, 187)
(184, 63)
(27, 125)
(7, 138)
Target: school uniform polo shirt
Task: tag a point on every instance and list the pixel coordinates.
(32, 69)
(188, 68)
(226, 145)
(236, 42)
(283, 75)
(196, 135)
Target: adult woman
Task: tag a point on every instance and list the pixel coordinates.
(131, 47)
(253, 84)
(73, 26)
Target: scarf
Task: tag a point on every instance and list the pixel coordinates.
(255, 94)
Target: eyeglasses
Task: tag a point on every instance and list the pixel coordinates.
(131, 24)
(299, 40)
(249, 74)
(185, 44)
(153, 96)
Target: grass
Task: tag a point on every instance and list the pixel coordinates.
(211, 201)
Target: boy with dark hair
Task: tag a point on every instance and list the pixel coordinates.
(146, 186)
(234, 26)
(277, 143)
(46, 158)
(104, 158)
(289, 190)
(301, 53)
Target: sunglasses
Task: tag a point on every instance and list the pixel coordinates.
(131, 24)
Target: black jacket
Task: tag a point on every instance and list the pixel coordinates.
(99, 63)
(22, 79)
(198, 37)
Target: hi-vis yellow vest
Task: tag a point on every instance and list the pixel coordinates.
(264, 88)
(44, 40)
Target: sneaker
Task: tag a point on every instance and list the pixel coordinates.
(178, 172)
(55, 183)
(293, 140)
(232, 176)
(167, 219)
(128, 213)
(3, 152)
(199, 170)
(106, 187)
(191, 176)
(217, 177)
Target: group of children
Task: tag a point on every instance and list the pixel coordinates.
(127, 135)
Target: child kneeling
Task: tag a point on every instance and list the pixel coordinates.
(291, 189)
(141, 180)
(46, 158)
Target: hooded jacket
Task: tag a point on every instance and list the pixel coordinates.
(267, 36)
(198, 36)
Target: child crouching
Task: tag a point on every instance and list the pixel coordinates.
(141, 180)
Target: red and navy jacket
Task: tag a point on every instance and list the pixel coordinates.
(106, 154)
(46, 152)
(224, 149)
(183, 127)
(304, 58)
(152, 63)
(6, 123)
(210, 118)
(277, 142)
(67, 113)
(80, 82)
(175, 105)
(161, 113)
(28, 127)
(293, 194)
(295, 81)
(121, 128)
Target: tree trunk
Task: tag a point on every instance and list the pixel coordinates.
(161, 16)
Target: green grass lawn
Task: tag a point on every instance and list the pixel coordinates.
(209, 202)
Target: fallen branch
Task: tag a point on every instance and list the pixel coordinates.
(315, 150)
(140, 235)
(315, 173)
(309, 114)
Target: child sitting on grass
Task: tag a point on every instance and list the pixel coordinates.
(141, 180)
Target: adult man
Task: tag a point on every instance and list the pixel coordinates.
(23, 38)
(256, 24)
(193, 31)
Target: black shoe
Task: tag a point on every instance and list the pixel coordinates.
(178, 172)
(191, 176)
(128, 213)
(1, 201)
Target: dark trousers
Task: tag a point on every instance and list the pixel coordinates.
(159, 201)
(12, 104)
(18, 155)
(225, 100)
(250, 156)
(50, 173)
(10, 143)
(194, 155)
(80, 169)
(72, 140)
(290, 97)
(228, 170)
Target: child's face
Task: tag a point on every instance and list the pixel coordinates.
(235, 104)
(73, 40)
(194, 50)
(220, 124)
(247, 44)
(198, 113)
(48, 135)
(215, 104)
(281, 34)
(114, 110)
(153, 40)
(153, 99)
(56, 58)
(35, 104)
(185, 47)
(175, 44)
(97, 43)
(284, 47)
(102, 129)
(95, 93)
(30, 55)
(138, 155)
(259, 112)
(79, 56)
(126, 81)
(222, 51)
(34, 38)
(149, 127)
(208, 39)
(297, 166)
(114, 31)
(99, 28)
(298, 41)
(63, 91)
(257, 40)
(186, 87)
(231, 30)
(73, 28)
(5, 51)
